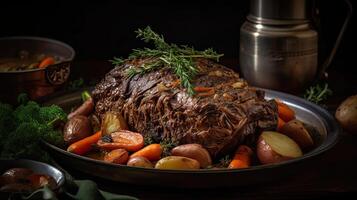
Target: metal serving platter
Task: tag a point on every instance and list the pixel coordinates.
(325, 137)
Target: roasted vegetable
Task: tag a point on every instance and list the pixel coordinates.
(84, 145)
(295, 130)
(242, 158)
(285, 112)
(127, 140)
(274, 147)
(177, 162)
(112, 122)
(139, 161)
(46, 62)
(85, 109)
(117, 156)
(346, 114)
(194, 151)
(152, 152)
(77, 128)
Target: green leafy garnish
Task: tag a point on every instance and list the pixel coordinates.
(177, 58)
(317, 94)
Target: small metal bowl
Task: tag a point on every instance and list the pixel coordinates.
(37, 167)
(35, 82)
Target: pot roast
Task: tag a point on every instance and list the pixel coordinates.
(223, 113)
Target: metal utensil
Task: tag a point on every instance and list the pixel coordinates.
(279, 46)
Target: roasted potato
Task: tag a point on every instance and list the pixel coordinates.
(346, 114)
(177, 162)
(274, 147)
(139, 161)
(117, 156)
(295, 130)
(112, 122)
(77, 128)
(194, 151)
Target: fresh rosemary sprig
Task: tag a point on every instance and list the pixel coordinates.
(317, 94)
(177, 58)
(117, 61)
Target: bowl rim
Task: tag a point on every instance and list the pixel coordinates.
(43, 39)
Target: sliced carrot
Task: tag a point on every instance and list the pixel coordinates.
(46, 61)
(152, 152)
(280, 124)
(83, 146)
(124, 139)
(285, 112)
(242, 158)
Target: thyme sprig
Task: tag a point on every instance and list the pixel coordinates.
(177, 58)
(317, 94)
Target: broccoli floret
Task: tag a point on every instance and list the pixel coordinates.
(31, 123)
(27, 112)
(7, 123)
(24, 142)
(49, 115)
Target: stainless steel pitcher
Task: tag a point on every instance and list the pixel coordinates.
(279, 46)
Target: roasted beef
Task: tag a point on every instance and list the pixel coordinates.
(223, 113)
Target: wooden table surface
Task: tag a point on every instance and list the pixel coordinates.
(331, 175)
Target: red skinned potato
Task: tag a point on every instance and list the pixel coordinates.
(139, 161)
(77, 128)
(346, 114)
(295, 130)
(194, 151)
(274, 147)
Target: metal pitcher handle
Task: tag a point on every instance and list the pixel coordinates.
(329, 59)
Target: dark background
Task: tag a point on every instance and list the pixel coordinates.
(103, 29)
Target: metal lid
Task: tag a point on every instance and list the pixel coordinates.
(280, 9)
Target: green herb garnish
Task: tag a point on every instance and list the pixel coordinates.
(177, 58)
(167, 145)
(317, 94)
(224, 162)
